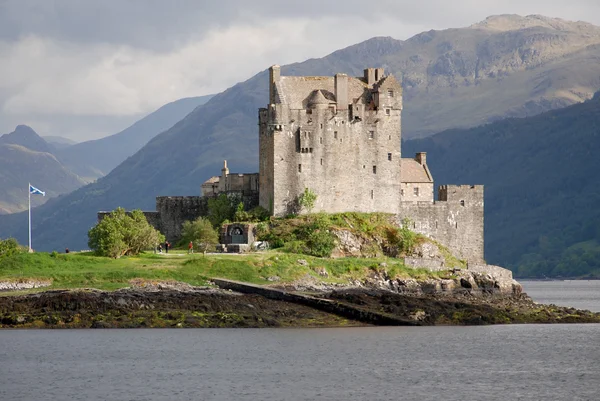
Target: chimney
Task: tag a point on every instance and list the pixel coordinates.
(274, 74)
(370, 76)
(421, 158)
(341, 91)
(225, 170)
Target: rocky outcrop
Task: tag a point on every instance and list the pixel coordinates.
(23, 284)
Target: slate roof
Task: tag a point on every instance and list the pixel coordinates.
(413, 171)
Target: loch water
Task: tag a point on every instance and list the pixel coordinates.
(508, 362)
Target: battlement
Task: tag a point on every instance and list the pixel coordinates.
(460, 193)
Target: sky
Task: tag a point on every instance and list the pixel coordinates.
(84, 69)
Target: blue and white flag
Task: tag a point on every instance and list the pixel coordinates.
(34, 190)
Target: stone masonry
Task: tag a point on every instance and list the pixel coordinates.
(340, 137)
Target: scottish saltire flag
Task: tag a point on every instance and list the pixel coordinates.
(34, 190)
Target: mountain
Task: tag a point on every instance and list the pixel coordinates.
(505, 66)
(20, 165)
(26, 137)
(58, 142)
(542, 193)
(93, 159)
(556, 57)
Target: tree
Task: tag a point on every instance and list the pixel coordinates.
(222, 208)
(201, 232)
(307, 199)
(120, 234)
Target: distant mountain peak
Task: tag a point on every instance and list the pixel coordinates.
(514, 22)
(22, 128)
(25, 136)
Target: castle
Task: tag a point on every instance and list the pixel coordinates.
(340, 137)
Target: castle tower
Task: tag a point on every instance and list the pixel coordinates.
(338, 136)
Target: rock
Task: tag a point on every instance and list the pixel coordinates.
(23, 284)
(465, 283)
(427, 250)
(273, 278)
(302, 262)
(348, 244)
(321, 271)
(418, 316)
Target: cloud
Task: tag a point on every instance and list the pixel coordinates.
(66, 59)
(54, 77)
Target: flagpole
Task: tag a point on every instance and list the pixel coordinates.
(29, 192)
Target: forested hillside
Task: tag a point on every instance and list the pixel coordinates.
(542, 187)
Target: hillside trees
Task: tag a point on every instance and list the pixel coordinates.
(122, 233)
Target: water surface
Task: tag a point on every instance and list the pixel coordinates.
(512, 362)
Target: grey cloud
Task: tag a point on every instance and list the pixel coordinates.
(70, 61)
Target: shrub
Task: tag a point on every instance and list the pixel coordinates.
(320, 243)
(307, 199)
(201, 232)
(222, 208)
(120, 234)
(10, 246)
(407, 239)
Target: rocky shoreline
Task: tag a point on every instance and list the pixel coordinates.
(376, 301)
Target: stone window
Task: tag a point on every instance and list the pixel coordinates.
(321, 162)
(389, 156)
(335, 134)
(371, 134)
(321, 140)
(372, 194)
(390, 93)
(374, 169)
(401, 192)
(299, 168)
(387, 112)
(309, 150)
(462, 202)
(364, 166)
(321, 126)
(389, 137)
(416, 191)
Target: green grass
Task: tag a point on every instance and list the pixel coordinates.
(83, 270)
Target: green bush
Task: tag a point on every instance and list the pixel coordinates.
(10, 246)
(307, 199)
(320, 243)
(200, 232)
(222, 208)
(120, 234)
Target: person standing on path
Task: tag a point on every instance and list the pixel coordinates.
(167, 246)
(191, 247)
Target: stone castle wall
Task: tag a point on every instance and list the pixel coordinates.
(346, 153)
(174, 210)
(455, 220)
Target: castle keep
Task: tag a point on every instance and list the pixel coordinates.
(340, 137)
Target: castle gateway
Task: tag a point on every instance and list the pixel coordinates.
(340, 137)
